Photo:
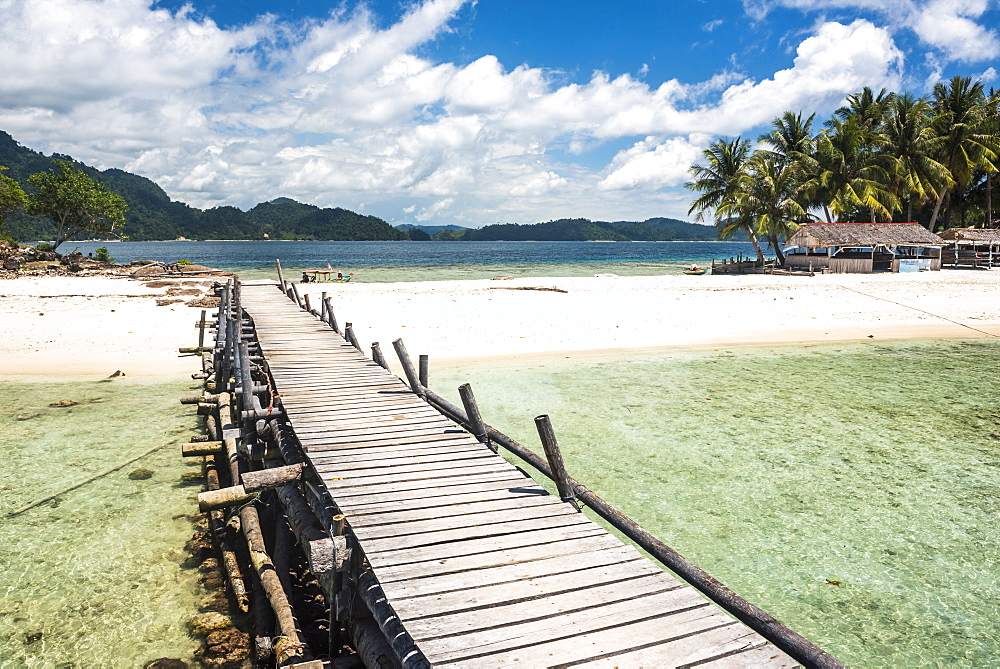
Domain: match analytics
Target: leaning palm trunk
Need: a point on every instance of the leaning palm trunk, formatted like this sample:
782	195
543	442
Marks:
773	238
937	210
756	244
989	199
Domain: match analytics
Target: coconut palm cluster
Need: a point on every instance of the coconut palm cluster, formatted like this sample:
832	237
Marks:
881	157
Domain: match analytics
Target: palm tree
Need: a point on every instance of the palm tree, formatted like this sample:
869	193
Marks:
767	197
847	173
719	183
789	137
868	109
961	142
915	174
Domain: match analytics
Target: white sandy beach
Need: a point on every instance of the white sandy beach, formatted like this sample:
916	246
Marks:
97	325
92	326
455	320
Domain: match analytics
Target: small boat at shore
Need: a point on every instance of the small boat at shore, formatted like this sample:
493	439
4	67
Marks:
695	270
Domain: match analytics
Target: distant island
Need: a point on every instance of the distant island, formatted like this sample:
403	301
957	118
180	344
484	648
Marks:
153	216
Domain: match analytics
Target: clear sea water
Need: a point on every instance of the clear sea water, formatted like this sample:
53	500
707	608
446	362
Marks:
96	577
850	490
429	261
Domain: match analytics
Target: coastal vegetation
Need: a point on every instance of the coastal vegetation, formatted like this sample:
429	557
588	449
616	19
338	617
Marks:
75	203
881	157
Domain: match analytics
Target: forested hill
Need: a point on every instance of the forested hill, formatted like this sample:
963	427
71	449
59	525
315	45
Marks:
152	215
582	230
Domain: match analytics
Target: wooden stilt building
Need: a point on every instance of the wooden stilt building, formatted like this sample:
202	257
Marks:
862	248
971	247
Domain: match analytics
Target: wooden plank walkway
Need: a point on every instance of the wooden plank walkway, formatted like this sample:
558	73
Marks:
481	565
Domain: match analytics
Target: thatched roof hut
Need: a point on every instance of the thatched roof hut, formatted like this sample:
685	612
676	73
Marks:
972	247
864	235
865	247
971	235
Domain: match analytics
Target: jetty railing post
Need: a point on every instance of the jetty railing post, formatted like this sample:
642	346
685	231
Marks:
322	306
411	373
378	357
297	298
281	276
308	303
330	318
475	418
567	492
201	330
424	369
351	337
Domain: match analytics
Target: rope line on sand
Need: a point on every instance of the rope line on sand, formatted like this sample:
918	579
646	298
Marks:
93	478
907	306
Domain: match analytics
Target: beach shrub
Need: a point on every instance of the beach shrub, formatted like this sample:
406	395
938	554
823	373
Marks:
101	255
44	247
183	261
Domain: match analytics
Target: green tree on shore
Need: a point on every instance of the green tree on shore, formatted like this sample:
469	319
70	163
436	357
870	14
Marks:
12	198
75	203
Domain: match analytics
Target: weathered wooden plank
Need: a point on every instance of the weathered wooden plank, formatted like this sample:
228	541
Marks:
569	617
376	455
494	501
331	443
355	492
509	574
524	592
477	463
571	547
333	480
362	435
553	524
508	504
438	459
764	655
730	641
480	547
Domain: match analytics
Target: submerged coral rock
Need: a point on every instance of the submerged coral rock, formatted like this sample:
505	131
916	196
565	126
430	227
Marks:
226	648
165	663
203	623
140	474
64	403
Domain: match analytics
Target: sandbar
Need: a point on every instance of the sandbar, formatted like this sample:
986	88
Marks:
94	326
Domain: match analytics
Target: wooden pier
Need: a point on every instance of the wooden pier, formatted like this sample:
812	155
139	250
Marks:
420	526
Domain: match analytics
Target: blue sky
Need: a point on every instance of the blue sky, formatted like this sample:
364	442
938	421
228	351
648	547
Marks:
446	111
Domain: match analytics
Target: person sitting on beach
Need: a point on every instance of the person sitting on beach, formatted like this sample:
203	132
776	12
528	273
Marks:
694	266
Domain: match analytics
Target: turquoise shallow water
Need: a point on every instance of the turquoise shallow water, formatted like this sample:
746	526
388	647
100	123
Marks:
95	578
850	490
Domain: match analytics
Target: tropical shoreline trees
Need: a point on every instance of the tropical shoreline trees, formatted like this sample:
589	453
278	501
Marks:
75	202
880	157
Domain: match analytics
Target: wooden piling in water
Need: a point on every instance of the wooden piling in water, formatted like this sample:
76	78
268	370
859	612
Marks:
411	373
281	276
423	363
554	457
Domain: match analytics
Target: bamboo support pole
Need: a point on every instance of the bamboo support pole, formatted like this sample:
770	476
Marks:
201	330
423	367
554	458
201	448
378	357
289	648
411	374
476	424
217	523
785	638
400	640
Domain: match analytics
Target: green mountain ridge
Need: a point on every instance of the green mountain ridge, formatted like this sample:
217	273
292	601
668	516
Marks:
153	216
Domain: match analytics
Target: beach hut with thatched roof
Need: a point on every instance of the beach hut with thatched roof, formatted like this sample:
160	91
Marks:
862	248
971	247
